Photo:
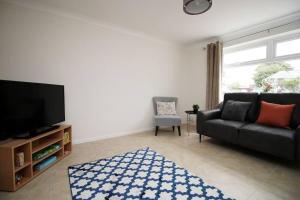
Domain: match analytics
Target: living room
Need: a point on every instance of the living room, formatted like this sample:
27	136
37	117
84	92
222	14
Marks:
208	88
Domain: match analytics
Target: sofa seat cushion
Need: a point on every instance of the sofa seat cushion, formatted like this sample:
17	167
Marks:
222	129
167	120
276	141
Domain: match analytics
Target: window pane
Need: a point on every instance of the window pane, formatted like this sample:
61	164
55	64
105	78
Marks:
257	53
286	80
266	77
238	79
288	47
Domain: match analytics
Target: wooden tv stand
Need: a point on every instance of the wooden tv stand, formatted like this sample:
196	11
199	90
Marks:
9	149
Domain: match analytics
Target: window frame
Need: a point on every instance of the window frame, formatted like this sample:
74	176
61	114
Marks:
246	47
271	49
278	40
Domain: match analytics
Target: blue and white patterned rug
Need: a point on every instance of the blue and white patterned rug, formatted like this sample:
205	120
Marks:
141	174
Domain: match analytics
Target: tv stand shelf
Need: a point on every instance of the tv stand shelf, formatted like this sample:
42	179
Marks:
9	171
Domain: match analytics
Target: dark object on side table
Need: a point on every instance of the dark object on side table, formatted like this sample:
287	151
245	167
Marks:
280	142
196	107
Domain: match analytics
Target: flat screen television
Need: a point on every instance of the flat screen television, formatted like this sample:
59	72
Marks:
28	109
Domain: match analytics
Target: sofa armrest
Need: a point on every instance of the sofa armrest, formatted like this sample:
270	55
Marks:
298	143
203	116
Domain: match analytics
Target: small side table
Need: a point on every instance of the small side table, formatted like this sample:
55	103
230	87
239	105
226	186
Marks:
188	119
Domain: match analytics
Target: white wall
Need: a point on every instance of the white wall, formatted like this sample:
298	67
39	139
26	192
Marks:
109	76
193	78
194	67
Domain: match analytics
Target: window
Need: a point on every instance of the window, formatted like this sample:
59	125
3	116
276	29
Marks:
257	53
288	47
269	66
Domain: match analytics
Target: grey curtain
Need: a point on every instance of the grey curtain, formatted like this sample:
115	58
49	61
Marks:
214	68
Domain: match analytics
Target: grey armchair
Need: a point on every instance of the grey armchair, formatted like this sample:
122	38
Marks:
166	120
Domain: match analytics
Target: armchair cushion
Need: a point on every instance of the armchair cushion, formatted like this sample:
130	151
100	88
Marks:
162	99
166	108
167	120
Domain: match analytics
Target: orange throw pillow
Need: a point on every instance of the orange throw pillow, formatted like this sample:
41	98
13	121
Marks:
275	114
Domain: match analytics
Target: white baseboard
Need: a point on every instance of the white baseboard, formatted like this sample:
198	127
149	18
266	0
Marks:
107	136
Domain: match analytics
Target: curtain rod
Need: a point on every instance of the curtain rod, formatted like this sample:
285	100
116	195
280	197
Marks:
268	30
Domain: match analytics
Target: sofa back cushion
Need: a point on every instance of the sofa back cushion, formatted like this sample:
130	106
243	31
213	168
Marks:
275	114
245	97
235	110
285	98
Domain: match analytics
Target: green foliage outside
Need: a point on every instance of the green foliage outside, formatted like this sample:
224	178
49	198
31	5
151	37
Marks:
266	70
291	84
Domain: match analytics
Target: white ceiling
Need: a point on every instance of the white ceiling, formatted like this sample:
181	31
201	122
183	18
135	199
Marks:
166	20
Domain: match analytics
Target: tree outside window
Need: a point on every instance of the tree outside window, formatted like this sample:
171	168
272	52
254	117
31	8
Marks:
272	65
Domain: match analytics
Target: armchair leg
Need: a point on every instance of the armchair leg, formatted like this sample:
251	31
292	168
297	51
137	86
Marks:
173	128
200	137
156	130
179	132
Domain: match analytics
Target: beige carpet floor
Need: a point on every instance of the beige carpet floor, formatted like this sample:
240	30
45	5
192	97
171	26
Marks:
240	173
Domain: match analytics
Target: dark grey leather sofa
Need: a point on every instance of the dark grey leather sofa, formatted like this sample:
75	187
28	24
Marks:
284	143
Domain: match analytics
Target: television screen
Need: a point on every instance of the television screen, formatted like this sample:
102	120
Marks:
25	107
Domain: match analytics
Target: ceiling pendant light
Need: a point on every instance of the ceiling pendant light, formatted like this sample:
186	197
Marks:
195	7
